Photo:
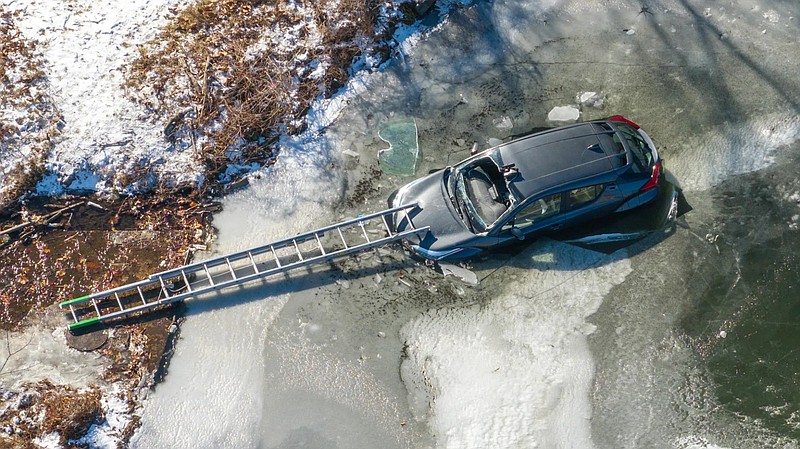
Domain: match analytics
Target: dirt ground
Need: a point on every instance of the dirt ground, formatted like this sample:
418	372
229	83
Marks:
74	246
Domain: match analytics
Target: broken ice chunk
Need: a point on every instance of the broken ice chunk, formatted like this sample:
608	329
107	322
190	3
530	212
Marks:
462	273
503	122
401	156
563	114
590	99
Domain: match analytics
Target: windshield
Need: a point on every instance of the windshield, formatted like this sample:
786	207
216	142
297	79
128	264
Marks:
479	193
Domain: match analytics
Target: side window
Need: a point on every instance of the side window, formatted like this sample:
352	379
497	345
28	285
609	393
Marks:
537	210
641	152
583	195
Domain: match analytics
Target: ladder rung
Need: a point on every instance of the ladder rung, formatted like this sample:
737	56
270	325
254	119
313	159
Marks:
319	242
408	218
277	259
97	309
72	310
230	267
299	254
141	295
186	279
342	236
163	287
118	301
385	224
253	261
364	231
210	279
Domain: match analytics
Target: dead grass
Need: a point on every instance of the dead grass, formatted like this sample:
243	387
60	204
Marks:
49	408
230	76
28	120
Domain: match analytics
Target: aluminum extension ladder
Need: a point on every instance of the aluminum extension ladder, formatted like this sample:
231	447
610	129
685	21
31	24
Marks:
315	247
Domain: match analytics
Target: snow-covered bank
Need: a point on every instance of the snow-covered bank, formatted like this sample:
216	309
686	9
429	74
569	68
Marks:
106	138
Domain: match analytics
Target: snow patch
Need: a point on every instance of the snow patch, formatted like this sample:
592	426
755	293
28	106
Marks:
107	435
87	45
733	149
515	372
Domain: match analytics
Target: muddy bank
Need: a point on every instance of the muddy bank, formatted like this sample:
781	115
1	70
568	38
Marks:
55	385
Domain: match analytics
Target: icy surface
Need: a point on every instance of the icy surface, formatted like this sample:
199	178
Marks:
41	352
735	149
515	372
523	365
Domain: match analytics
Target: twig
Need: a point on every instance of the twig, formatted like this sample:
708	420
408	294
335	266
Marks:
12	353
54	215
16	228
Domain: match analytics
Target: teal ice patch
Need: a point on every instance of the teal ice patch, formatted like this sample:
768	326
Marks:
401	156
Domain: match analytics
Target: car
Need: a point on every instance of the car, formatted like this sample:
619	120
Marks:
530	186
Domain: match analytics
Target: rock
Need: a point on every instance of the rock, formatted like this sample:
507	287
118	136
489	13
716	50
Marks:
89	341
350	153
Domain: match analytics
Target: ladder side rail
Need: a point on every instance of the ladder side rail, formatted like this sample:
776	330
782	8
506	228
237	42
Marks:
298	264
106	293
299	238
262	274
364	218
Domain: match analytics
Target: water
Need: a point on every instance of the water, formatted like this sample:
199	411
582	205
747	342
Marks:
684	341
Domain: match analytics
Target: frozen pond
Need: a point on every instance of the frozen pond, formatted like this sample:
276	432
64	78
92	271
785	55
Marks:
684	341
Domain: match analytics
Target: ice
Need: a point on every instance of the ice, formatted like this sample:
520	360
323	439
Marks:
564	114
401	156
515	372
515	367
40	352
733	149
462	273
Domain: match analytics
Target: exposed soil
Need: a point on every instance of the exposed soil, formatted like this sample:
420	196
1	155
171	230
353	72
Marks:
93	245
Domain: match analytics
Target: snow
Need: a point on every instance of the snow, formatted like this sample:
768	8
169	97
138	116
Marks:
736	148
107	435
48	441
86	45
515	372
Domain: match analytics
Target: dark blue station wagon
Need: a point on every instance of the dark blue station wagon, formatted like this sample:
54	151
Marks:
530	186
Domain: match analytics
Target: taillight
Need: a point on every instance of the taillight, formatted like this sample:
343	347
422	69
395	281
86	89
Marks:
619	118
653	181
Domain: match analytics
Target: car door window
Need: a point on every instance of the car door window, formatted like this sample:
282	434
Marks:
641	151
584	195
536	211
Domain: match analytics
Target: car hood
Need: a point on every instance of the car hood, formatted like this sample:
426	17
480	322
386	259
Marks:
434	210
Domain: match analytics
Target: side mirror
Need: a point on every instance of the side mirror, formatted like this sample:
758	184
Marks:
517	233
474	149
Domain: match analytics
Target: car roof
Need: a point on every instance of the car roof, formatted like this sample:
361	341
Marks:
555	157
